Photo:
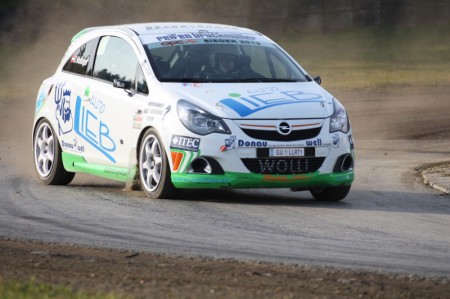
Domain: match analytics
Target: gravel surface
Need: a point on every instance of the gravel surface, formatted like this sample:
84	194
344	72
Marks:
389	238
145	275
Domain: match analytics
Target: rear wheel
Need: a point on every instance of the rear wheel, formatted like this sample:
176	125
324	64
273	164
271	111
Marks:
330	193
47	156
154	168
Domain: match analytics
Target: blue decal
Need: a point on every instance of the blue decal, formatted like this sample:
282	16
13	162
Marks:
63	111
40	101
229	144
317	142
243	143
245	106
93	130
336	140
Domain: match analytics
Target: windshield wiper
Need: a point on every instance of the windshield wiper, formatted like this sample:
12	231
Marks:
265	80
189	80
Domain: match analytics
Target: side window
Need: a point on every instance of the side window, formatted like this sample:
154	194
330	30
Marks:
79	61
115	59
140	85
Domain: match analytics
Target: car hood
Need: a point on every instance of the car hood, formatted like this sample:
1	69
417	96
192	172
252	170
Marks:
257	100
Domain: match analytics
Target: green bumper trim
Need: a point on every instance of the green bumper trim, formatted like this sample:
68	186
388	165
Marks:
75	163
250	180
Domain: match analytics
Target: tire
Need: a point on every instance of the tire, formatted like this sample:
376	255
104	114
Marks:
330	193
47	156
154	168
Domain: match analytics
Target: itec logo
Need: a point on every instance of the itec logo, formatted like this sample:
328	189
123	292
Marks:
185	143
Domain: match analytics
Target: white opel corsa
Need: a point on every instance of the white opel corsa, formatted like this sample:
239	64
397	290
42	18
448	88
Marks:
190	105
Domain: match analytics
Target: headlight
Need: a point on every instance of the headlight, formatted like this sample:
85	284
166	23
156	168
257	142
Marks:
339	119
200	121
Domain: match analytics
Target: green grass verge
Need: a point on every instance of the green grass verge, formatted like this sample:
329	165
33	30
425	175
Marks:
33	290
365	58
370	58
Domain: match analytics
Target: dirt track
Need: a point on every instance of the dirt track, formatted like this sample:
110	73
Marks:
146	275
395	132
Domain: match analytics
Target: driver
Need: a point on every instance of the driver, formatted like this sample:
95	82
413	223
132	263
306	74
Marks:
225	62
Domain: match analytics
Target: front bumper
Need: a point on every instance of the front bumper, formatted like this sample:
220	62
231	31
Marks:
233	180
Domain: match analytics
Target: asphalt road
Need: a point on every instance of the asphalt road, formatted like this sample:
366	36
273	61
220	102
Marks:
389	222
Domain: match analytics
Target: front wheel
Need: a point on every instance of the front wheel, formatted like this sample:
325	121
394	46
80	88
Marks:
47	156
330	193
154	168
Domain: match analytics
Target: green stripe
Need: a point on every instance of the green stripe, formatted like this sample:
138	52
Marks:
75	163
250	180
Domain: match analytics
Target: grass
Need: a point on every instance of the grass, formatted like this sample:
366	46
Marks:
32	290
371	58
362	59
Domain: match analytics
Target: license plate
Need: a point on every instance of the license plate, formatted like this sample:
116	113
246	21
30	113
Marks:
287	152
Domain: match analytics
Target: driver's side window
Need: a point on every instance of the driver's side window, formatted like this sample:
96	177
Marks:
115	59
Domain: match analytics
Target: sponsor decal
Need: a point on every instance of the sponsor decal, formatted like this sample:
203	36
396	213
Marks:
92	129
336	140
252	103
202	35
194	85
154	110
97	103
282	166
243	143
83	61
179	42
220	41
137	120
229	144
316	142
262	89
285	178
63	110
149	118
40	101
73	146
185	143
118	171
155	104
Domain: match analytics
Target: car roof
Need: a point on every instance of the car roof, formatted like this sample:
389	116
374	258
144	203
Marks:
142	29
157	28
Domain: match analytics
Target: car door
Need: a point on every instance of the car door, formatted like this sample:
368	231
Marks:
107	112
67	90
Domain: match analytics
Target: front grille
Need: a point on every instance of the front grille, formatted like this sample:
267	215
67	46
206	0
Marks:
283	165
275	136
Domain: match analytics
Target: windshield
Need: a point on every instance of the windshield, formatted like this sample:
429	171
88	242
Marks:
196	60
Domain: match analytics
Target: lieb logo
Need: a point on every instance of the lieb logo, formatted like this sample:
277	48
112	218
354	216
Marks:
256	102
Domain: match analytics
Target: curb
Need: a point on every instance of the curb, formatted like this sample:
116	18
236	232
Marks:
438	177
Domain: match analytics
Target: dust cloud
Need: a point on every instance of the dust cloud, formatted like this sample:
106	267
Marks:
33	40
36	34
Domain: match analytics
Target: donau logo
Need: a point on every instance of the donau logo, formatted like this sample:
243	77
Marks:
284	128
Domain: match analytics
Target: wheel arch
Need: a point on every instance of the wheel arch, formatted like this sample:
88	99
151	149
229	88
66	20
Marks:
37	121
140	139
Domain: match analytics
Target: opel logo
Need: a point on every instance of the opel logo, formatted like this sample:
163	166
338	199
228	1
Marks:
284	128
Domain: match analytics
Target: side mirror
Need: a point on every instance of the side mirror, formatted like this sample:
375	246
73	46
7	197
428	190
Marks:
122	84
318	80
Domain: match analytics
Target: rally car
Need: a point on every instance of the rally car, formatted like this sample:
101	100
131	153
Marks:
190	105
